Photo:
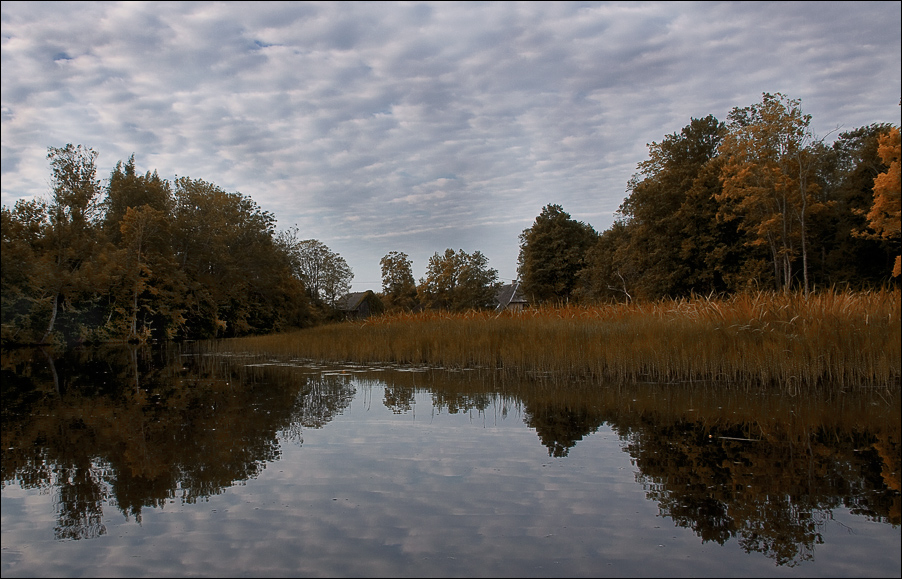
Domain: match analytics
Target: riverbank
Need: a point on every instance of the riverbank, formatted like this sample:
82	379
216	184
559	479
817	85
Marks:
845	339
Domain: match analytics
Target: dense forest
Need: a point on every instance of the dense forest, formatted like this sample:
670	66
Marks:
756	202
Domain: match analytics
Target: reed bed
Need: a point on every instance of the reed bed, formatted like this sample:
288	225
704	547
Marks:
847	339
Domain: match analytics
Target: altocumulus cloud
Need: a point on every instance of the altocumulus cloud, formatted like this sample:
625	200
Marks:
416	127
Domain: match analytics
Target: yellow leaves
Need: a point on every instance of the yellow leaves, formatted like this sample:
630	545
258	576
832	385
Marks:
885	215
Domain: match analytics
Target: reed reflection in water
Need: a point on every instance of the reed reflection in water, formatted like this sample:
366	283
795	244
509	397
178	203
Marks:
141	462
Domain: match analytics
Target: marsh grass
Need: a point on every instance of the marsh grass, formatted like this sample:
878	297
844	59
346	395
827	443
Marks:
846	339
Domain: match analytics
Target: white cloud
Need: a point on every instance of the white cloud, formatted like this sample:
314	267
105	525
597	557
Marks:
328	114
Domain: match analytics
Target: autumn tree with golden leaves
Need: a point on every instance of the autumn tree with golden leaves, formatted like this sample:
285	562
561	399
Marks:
769	180
885	216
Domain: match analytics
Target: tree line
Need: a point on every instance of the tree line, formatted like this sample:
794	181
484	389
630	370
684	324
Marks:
144	258
758	202
755	202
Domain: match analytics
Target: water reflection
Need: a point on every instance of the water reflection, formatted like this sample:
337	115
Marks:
137	428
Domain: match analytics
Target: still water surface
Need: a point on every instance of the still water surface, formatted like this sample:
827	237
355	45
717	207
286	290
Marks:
131	462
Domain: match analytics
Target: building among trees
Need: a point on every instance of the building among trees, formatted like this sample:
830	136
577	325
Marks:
359	305
509	297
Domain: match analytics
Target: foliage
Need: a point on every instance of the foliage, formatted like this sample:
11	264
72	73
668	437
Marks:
237	277
759	203
671	198
24	229
325	274
552	253
399	289
458	281
841	255
64	273
610	269
769	180
148	262
715	209
885	215
127	189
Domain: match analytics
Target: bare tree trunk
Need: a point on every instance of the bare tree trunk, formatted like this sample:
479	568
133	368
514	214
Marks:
804	255
803	189
134	359
629	298
776	256
56	379
787	245
56	298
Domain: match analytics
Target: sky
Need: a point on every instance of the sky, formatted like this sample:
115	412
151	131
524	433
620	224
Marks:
420	126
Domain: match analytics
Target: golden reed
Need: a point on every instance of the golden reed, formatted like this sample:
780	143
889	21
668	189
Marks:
846	339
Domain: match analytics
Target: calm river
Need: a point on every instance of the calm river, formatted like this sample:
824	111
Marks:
133	462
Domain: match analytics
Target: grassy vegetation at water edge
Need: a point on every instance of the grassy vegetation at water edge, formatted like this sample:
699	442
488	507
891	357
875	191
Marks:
848	339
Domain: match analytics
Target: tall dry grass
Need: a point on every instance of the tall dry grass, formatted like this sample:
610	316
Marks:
849	339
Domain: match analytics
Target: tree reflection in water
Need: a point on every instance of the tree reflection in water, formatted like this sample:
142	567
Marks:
138	428
757	467
194	427
729	463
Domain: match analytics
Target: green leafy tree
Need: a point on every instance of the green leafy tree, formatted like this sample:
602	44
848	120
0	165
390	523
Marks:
148	261
236	273
65	273
847	170
436	290
126	188
325	274
610	272
336	279
477	282
667	214
552	253
458	281
399	289
24	230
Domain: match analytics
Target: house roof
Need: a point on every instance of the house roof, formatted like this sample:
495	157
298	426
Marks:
509	294
351	301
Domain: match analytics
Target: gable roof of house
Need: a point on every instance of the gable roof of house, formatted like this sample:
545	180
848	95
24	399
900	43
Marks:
509	294
351	301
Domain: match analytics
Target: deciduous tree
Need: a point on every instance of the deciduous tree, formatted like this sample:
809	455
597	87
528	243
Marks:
458	281
73	211
768	179
552	253
885	216
670	213
326	275
842	255
126	188
399	289
147	272
235	272
610	272
22	258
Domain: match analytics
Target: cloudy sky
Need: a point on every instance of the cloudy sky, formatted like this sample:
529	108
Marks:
416	127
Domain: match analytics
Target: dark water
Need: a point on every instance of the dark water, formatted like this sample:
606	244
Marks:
132	462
